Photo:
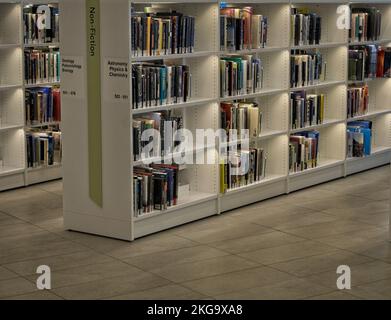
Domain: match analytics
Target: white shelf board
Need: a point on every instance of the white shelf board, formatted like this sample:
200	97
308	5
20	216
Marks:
319	46
42	168
269	179
194	198
322	84
174	56
44	124
8	170
191	103
8	127
269	133
41	84
9	45
263	92
326	123
253	51
327	163
376	150
42	45
9	86
370	114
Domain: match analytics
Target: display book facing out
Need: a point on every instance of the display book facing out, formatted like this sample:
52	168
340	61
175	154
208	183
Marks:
29	93
293	154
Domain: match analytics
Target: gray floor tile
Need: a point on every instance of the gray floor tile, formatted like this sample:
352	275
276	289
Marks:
59	262
110	287
16	286
174	257
287	252
286	290
335	295
39	295
320	263
256	242
168	292
237	281
201	269
6	274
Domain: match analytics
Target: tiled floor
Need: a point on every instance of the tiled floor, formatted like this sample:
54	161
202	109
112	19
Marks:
284	248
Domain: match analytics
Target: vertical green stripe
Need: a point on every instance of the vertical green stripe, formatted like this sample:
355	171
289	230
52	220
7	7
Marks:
94	101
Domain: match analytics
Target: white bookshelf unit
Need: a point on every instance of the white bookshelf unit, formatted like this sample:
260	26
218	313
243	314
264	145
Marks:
98	194
14	171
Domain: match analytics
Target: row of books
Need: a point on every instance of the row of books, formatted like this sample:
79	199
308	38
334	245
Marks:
365	24
241	29
166	124
303	150
154	188
357	101
359	138
242	168
306	109
155	84
306	27
41	66
240	75
369	61
43	105
43	148
241	116
161	33
33	32
307	68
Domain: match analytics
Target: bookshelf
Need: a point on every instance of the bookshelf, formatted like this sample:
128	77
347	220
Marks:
14	171
98	195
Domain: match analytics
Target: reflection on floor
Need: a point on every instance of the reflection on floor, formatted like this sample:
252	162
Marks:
284	248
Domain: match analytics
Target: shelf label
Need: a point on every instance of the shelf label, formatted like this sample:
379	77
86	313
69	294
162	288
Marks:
72	70
116	74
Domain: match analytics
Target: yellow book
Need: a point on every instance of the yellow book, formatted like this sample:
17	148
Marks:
322	107
160	47
148	38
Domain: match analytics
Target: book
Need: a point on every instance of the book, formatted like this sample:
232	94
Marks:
357	101
242	167
43	147
41	66
156	84
240	75
306	109
155	187
155	33
365	24
307	68
42	105
306	27
241	116
359	138
31	31
241	29
303	150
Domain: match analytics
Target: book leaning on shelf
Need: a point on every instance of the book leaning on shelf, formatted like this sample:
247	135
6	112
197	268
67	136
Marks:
306	109
155	187
156	84
307	68
359	138
241	116
42	105
41	66
35	35
303	151
365	24
241	29
166	125
242	168
240	75
161	33
357	101
306	27
43	147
